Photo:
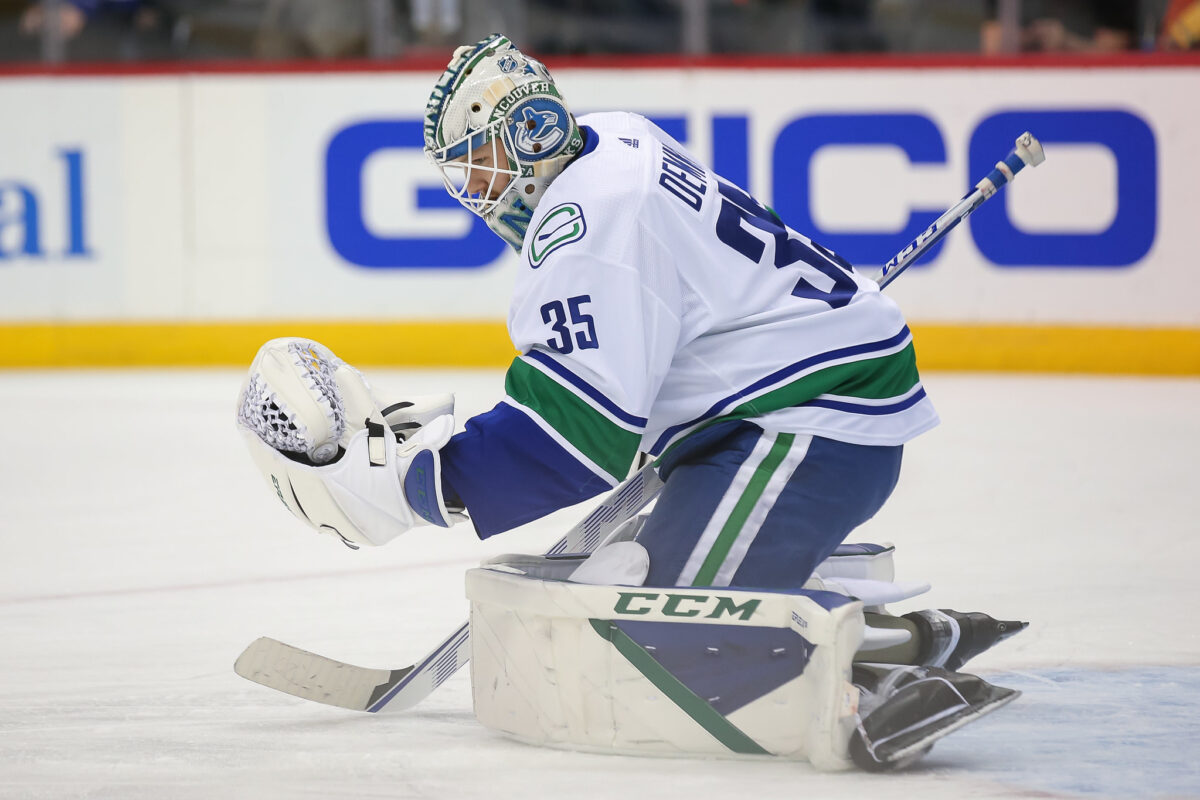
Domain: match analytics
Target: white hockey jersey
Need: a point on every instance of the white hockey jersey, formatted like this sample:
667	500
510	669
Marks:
654	299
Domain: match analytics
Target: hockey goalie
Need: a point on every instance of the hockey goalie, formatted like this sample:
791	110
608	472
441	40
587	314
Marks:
659	311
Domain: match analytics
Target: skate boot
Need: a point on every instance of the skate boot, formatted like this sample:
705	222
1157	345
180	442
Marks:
952	638
903	710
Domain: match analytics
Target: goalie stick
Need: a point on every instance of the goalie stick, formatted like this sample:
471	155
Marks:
314	677
1027	151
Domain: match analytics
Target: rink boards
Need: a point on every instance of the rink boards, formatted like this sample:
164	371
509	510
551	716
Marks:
176	218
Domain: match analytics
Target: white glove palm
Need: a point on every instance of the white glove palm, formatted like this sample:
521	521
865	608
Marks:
299	414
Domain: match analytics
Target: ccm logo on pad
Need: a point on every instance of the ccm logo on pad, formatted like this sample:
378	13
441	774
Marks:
684	605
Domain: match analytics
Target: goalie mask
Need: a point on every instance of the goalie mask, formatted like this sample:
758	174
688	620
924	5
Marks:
499	131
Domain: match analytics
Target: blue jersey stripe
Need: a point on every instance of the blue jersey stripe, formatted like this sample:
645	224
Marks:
579	383
860	408
778	377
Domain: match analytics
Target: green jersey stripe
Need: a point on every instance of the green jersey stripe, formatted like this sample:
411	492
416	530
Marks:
884	377
608	445
879	378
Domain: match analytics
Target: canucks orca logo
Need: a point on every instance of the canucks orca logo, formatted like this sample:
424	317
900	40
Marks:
539	128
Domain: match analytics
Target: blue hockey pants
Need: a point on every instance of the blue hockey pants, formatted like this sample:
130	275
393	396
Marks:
750	508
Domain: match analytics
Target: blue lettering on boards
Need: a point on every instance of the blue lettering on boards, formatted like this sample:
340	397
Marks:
348	233
800	139
1130	235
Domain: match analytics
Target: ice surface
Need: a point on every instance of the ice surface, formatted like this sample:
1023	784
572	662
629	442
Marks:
140	552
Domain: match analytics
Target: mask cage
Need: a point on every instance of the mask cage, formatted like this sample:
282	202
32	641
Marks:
454	161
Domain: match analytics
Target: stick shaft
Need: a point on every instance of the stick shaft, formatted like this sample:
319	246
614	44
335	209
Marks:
1026	152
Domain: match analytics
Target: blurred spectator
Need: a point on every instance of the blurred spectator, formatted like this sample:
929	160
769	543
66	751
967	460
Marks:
435	23
845	26
1079	26
74	15
312	29
1181	26
104	29
795	26
582	27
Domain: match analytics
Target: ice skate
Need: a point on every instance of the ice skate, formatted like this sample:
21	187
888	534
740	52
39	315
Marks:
952	638
904	710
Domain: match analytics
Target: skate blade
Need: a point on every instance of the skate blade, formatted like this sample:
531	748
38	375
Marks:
903	747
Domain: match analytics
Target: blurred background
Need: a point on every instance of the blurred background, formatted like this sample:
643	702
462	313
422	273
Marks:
132	30
181	180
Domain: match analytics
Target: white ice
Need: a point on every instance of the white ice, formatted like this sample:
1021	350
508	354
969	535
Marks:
141	552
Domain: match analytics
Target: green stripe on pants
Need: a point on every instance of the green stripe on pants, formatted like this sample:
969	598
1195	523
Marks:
741	510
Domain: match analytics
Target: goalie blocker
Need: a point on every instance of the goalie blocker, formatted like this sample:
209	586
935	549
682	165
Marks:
706	671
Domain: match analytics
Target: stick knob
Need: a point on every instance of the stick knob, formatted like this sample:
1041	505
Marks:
1029	149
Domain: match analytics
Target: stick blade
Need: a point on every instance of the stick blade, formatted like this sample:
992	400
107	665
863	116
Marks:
297	672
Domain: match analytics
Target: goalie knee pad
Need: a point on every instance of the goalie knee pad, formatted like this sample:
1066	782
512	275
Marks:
865	572
865	561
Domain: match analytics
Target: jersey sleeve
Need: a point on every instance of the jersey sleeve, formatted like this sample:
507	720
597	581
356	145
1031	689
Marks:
597	324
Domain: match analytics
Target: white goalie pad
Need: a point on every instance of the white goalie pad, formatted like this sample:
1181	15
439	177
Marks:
665	670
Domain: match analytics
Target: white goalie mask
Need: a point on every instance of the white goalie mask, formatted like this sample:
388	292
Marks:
499	131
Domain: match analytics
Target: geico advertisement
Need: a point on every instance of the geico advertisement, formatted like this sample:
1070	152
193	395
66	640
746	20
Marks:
302	195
